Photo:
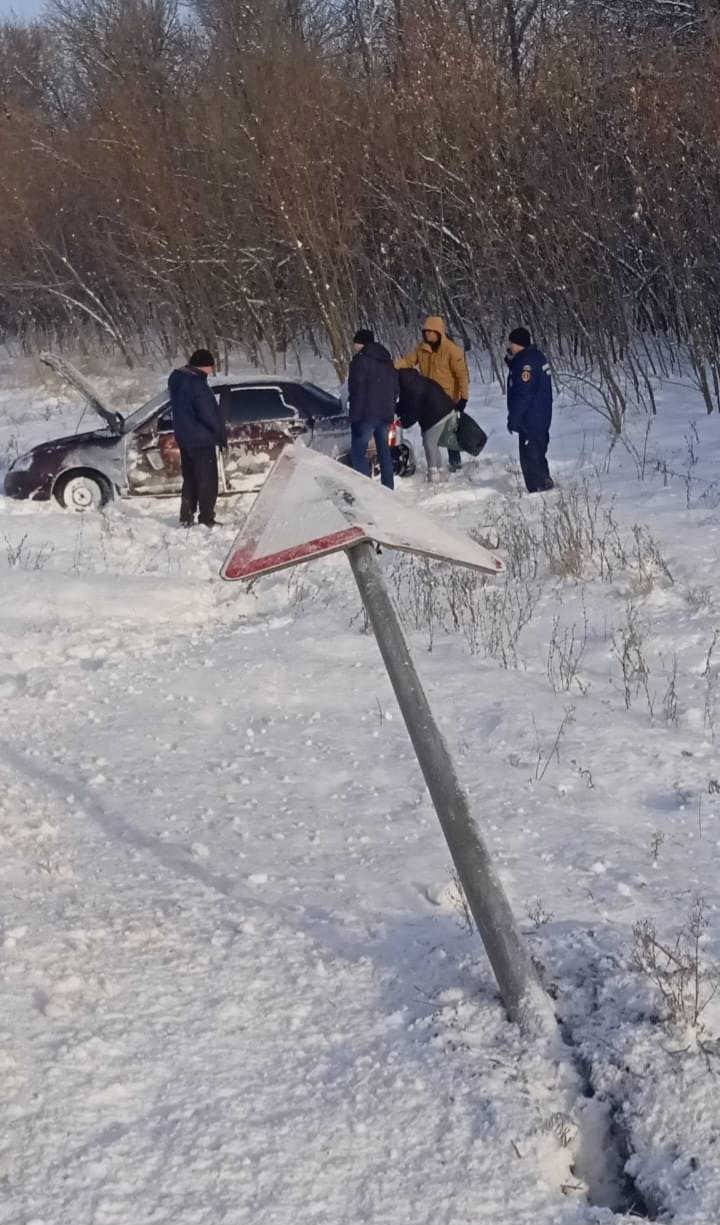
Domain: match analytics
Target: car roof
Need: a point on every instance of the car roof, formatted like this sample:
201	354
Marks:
250	380
240	380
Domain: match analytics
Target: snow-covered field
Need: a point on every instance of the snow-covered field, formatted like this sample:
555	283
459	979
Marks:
227	993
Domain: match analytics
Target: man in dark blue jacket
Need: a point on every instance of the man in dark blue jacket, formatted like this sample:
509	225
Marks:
372	392
199	429
529	402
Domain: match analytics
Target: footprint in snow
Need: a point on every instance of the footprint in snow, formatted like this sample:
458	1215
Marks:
10	685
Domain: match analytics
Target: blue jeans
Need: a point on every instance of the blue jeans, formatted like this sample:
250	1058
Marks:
360	433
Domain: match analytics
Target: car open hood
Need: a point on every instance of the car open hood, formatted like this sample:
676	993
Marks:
72	376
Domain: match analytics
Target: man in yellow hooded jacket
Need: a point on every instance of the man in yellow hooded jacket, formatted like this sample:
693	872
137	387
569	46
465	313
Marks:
439	359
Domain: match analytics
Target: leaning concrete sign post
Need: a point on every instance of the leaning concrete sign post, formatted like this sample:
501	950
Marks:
310	506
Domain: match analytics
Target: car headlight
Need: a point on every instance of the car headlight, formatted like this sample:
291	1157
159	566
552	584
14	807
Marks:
23	463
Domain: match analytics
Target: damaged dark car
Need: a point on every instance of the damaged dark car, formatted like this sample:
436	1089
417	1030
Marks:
137	455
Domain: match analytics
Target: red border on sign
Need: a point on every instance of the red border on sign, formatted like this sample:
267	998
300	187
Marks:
244	563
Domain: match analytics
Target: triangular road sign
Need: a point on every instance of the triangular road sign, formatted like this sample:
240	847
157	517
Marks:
311	505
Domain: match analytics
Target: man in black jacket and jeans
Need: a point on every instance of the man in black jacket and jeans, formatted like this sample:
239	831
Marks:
199	430
372	392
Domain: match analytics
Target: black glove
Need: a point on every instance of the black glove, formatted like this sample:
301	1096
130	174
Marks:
508	360
461	406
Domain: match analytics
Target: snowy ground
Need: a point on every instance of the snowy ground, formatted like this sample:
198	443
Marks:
227	995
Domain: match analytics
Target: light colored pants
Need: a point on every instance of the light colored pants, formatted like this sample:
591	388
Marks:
430	443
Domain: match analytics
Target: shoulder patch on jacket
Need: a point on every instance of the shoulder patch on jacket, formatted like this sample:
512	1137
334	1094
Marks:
526	374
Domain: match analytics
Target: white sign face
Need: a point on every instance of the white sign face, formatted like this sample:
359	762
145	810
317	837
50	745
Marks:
311	505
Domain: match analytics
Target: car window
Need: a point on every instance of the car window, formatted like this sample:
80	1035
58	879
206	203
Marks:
145	413
246	404
164	423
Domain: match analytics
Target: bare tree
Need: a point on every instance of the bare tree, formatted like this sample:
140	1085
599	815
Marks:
269	174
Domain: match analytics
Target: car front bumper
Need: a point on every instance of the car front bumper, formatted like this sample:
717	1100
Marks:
27	484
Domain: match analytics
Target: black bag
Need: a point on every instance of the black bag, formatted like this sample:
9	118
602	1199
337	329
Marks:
470	437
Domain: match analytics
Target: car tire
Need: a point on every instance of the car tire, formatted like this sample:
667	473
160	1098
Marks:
405	465
83	490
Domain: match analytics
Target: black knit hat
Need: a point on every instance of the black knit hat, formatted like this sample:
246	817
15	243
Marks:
520	336
364	336
202	357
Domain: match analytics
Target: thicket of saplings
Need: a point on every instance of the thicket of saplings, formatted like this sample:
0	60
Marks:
268	175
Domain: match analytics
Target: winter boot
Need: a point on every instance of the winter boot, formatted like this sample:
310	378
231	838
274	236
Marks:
433	476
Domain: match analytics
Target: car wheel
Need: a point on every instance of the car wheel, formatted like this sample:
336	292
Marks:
405	463
83	491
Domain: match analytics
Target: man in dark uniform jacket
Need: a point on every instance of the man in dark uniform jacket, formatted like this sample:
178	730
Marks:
529	403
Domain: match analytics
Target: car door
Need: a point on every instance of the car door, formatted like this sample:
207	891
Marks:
260	423
153	456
